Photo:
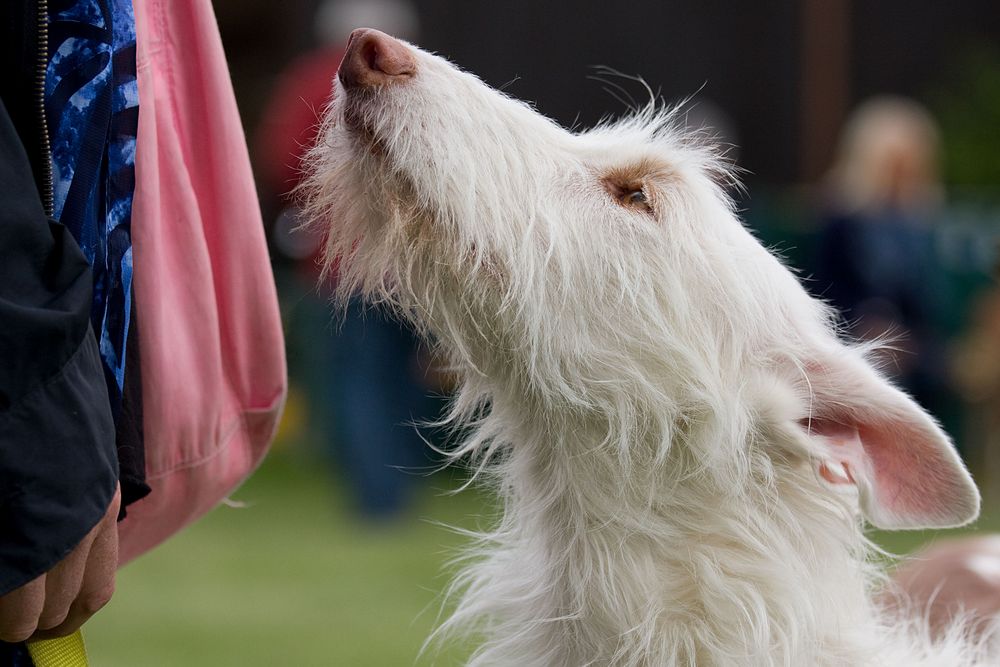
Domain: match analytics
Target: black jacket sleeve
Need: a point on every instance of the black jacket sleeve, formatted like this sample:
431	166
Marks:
58	466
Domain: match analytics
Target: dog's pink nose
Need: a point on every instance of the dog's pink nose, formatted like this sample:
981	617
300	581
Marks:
374	58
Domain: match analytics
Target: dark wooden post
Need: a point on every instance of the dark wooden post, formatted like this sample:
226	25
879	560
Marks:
825	81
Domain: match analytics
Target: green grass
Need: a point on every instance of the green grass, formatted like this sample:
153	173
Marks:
290	579
293	579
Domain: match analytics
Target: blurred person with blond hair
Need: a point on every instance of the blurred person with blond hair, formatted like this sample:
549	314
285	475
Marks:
876	264
875	260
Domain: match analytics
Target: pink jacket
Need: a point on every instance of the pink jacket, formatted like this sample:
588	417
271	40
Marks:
213	366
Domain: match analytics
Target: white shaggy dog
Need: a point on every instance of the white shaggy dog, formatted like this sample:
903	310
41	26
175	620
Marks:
682	445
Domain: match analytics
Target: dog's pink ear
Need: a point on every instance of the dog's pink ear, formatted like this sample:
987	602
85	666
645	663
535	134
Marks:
874	436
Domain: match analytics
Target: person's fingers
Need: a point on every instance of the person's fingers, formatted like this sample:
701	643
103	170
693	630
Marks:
62	583
20	609
98	582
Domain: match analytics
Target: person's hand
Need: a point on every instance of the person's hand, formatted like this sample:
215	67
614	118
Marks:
952	576
58	602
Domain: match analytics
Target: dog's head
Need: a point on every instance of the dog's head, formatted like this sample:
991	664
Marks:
486	221
604	273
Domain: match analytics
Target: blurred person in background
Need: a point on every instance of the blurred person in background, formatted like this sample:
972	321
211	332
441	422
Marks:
875	261
365	373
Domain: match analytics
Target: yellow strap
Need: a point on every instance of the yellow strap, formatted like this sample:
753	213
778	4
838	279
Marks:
63	652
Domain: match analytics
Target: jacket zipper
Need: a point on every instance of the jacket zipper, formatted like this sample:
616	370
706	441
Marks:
42	64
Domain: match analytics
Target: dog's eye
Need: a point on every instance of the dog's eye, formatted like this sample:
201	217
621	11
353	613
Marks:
636	198
629	187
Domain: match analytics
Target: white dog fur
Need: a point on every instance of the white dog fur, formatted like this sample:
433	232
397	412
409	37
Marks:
682	445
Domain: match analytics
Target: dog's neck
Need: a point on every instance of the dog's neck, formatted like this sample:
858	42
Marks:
663	562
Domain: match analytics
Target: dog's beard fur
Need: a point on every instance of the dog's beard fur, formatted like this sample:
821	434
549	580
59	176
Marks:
632	383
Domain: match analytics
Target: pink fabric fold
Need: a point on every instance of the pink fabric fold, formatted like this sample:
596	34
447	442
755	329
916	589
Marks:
213	366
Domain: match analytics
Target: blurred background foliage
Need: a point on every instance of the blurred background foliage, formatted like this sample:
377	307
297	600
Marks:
967	105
